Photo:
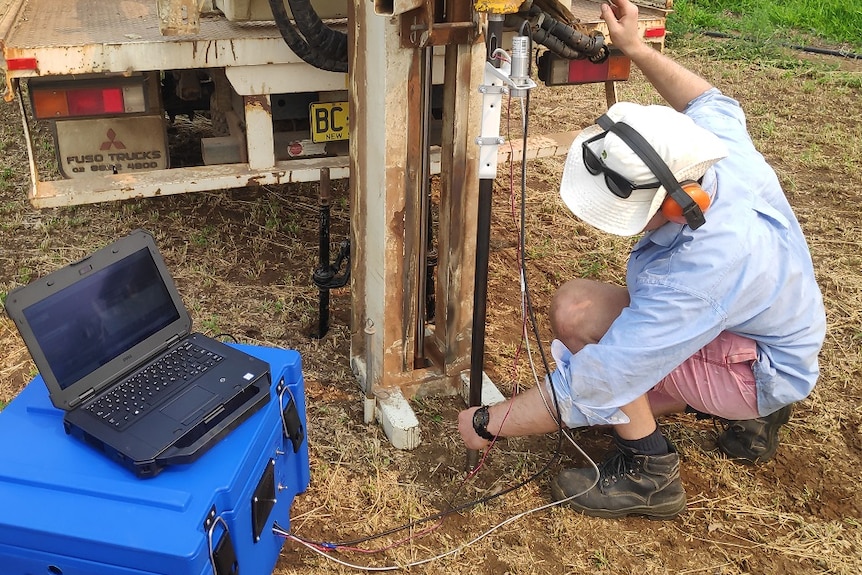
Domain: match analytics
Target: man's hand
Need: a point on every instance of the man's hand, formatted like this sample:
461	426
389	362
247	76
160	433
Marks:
621	16
676	84
468	434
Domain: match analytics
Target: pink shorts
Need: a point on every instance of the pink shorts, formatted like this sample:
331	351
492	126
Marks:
715	380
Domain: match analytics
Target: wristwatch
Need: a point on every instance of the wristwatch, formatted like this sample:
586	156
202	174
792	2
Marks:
480	423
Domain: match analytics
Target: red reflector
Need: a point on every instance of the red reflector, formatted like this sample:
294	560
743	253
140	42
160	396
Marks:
21	64
113	98
94	101
654	33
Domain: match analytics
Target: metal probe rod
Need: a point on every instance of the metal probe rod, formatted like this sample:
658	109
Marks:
483	241
324	268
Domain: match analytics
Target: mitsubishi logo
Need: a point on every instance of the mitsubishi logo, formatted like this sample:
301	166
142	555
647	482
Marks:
112	141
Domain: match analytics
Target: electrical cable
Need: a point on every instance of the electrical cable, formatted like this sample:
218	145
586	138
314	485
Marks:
228	335
811	49
287	535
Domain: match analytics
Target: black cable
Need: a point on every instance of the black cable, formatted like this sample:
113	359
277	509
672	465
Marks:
235	340
811	49
531	314
527	299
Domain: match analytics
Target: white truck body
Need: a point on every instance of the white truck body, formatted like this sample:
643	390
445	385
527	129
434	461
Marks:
251	66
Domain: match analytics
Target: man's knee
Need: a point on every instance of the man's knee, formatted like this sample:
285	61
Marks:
583	310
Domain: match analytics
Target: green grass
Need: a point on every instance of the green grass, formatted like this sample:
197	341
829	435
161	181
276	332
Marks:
832	23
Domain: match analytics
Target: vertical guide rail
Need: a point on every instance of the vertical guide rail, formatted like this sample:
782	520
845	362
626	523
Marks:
487	173
419	360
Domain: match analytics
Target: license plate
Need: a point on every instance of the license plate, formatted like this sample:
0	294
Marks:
330	121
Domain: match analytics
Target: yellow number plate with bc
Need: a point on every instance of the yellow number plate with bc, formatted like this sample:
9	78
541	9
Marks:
330	121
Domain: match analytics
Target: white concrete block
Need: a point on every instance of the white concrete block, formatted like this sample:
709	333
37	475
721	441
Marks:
398	420
490	393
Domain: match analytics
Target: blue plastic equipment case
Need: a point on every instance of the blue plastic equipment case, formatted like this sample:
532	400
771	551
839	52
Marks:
69	510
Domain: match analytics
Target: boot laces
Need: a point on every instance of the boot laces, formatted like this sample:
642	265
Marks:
617	465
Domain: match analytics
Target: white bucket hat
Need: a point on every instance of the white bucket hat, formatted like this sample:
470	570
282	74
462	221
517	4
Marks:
686	148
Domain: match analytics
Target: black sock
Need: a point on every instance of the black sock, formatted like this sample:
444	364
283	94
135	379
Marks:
652	444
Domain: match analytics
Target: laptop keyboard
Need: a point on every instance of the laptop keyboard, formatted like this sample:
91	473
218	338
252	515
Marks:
126	402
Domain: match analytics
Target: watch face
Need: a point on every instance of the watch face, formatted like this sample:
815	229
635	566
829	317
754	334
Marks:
480	423
480	418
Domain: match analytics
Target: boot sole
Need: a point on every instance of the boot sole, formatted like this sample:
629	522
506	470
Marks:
661	512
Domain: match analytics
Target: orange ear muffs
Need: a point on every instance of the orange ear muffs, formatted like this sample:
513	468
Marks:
673	211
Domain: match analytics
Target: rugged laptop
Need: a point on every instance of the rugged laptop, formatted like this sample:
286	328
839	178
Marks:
112	340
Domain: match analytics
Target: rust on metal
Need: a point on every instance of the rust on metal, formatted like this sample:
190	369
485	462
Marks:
358	83
422	27
178	17
258	101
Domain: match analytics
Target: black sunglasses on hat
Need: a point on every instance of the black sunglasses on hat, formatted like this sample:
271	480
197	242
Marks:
619	185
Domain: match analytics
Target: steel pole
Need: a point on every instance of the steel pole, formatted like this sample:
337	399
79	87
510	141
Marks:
483	242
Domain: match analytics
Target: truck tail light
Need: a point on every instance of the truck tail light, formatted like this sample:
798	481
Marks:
82	98
556	71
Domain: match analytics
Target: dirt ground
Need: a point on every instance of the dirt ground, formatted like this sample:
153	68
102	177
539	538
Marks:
243	262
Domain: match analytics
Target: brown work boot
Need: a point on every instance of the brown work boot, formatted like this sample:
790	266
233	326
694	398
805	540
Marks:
629	484
753	441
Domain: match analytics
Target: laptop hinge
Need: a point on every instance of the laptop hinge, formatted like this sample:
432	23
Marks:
174	339
83	397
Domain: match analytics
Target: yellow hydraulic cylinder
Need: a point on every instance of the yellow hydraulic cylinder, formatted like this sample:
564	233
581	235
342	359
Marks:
498	6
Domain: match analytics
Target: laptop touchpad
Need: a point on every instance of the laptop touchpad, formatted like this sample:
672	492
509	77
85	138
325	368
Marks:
189	404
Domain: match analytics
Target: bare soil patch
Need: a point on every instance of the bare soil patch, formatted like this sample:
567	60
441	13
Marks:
243	261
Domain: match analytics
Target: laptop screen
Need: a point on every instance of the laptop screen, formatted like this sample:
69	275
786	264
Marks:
88	324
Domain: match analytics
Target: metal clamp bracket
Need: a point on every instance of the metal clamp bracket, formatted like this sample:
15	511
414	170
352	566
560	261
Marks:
491	141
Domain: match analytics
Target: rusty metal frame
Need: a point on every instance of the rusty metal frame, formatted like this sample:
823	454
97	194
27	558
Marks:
420	28
386	196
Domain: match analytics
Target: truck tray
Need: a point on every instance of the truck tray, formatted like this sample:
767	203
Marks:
69	510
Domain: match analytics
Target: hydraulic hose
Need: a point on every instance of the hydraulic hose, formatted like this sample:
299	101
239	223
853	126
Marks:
587	44
324	39
560	38
810	49
299	45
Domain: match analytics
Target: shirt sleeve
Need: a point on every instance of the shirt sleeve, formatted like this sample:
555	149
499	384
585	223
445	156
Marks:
721	115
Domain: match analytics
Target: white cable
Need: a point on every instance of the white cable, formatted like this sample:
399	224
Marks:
476	539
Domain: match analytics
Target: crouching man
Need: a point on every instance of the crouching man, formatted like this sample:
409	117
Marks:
721	313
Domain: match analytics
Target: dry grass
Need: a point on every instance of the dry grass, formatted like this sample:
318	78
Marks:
243	262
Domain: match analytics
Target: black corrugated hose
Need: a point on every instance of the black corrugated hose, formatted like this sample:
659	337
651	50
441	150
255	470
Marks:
317	34
559	37
303	47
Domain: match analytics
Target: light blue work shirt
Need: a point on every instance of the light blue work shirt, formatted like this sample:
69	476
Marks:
747	270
